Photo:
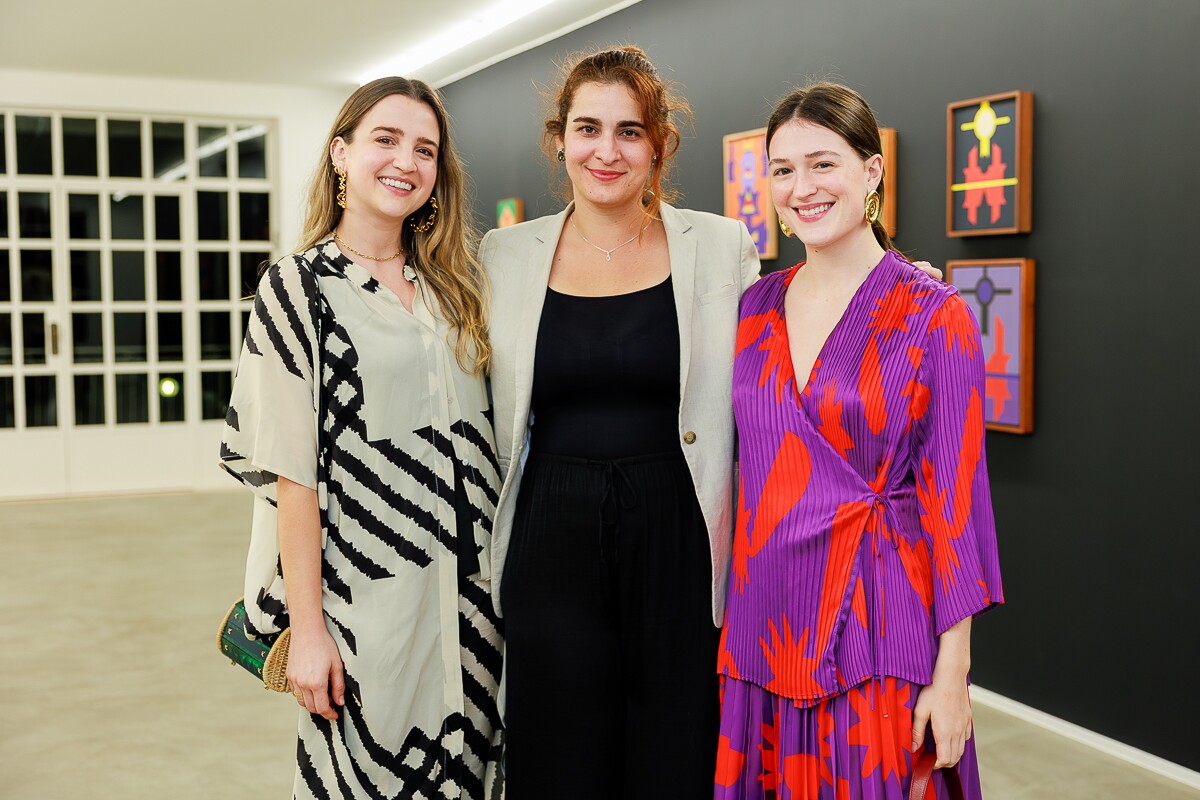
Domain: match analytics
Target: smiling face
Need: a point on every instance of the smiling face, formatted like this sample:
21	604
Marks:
819	184
608	155
390	160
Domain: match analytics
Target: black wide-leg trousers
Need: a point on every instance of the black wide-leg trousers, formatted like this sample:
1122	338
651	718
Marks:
610	653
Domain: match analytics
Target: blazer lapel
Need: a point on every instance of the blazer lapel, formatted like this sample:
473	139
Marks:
681	248
537	277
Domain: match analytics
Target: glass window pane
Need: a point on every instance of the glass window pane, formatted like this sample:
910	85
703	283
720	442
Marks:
214	394
85	275
6	339
33	331
37	277
213	274
170	397
8	400
127	220
166	217
83	216
33	215
170	336
133	398
33	145
211	147
79	147
89	399
3	148
252	156
255	216
87	339
3	210
212	215
5	277
128	275
41	401
252	266
215	342
124	148
168	150
167	275
129	337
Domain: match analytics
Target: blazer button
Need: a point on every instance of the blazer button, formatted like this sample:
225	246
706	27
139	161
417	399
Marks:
689	437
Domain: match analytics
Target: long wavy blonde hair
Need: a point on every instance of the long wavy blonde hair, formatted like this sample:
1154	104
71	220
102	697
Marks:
443	254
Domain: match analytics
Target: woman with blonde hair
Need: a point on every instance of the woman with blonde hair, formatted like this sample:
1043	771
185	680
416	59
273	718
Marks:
359	418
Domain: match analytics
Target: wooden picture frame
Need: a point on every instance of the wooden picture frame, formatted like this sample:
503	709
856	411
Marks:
989	165
509	211
887	140
747	188
1000	294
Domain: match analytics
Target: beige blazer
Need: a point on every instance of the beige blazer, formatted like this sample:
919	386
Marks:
713	260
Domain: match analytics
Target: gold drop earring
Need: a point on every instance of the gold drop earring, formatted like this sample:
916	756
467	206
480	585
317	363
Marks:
783	227
872	208
341	195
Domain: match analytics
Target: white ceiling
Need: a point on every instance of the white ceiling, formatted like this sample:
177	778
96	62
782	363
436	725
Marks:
302	42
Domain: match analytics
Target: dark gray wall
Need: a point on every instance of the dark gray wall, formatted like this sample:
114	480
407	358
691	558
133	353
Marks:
1099	538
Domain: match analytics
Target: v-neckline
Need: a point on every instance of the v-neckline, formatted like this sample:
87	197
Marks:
787	336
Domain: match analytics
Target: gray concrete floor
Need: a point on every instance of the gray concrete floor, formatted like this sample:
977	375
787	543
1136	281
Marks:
108	615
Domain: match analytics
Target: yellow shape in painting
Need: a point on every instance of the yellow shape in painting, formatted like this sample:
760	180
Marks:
984	125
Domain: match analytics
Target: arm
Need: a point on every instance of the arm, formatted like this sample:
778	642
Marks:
749	267
956	520
944	703
314	667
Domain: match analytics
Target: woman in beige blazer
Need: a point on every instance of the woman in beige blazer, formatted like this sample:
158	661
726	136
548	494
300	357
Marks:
612	325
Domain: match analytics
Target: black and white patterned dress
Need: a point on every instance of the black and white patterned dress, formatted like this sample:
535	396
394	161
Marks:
407	484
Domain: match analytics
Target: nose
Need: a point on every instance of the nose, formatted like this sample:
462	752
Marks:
804	186
606	149
403	160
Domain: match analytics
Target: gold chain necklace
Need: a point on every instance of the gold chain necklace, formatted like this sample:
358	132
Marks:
608	253
339	240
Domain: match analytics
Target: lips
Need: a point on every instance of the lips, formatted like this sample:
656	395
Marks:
812	212
397	183
605	174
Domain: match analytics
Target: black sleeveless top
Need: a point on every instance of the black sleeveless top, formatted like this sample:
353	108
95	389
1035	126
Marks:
606	375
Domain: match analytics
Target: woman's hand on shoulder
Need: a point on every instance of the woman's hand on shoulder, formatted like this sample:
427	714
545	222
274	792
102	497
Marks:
928	269
315	672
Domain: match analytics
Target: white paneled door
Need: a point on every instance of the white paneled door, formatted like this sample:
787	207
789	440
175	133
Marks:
128	248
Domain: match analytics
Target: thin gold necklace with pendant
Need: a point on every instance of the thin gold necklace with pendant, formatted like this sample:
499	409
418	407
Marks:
340	241
608	253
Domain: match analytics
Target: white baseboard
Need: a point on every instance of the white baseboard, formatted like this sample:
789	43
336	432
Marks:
1139	758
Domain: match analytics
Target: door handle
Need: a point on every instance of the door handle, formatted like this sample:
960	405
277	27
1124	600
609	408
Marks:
53	338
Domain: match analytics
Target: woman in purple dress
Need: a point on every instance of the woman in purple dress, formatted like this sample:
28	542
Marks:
865	542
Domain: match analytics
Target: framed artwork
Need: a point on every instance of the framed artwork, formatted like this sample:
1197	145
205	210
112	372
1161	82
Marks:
887	139
748	188
1000	293
509	211
989	165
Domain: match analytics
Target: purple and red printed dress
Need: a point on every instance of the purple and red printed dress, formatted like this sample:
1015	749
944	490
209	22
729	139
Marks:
864	530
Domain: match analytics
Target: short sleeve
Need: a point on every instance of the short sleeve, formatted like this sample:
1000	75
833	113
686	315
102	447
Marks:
271	426
953	494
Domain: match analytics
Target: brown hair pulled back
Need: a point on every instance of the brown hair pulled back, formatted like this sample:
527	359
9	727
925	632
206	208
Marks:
659	100
844	111
443	254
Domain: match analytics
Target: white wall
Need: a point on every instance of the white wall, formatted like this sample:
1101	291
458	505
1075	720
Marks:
303	115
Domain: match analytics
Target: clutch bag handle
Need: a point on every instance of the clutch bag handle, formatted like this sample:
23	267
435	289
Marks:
923	773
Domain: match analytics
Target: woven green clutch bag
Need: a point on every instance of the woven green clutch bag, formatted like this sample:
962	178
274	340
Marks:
265	658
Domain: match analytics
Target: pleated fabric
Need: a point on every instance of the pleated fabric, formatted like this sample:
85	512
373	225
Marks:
610	691
864	525
852	746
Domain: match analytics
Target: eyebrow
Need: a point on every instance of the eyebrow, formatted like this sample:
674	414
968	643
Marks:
625	123
399	132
